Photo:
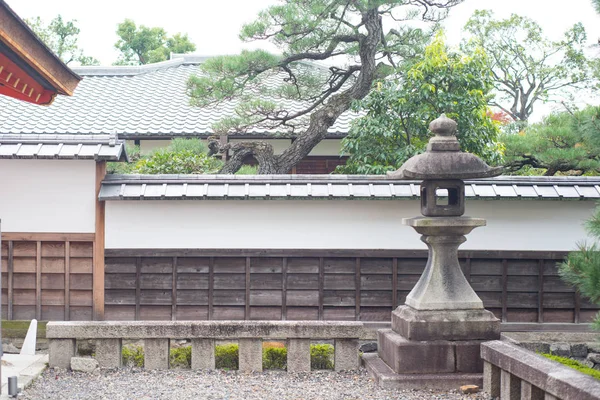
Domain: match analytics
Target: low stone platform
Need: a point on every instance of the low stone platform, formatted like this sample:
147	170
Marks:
387	378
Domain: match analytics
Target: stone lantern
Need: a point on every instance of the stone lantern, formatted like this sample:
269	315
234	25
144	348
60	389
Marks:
435	336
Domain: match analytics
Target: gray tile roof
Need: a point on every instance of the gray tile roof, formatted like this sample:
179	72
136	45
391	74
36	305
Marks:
134	102
63	147
373	187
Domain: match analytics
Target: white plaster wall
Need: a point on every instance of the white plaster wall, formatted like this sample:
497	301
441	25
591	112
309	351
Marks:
148	146
512	225
327	147
47	196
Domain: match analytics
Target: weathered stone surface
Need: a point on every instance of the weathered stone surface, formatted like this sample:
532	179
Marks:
207	329
298	355
368	347
491	379
510	386
387	378
579	350
594	357
593	347
560	349
413	357
552	377
530	392
468	358
203	354
108	353
10	348
346	354
468	389
250	355
60	352
83	364
447	325
536	347
156	353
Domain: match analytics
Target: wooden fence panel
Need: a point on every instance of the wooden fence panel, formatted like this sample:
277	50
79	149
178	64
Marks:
308	285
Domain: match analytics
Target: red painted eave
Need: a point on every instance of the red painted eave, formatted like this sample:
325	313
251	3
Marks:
29	71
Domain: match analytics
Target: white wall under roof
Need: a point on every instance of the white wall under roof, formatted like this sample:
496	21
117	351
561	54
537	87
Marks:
323	224
47	196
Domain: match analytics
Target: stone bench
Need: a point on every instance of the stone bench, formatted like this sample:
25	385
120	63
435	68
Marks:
108	335
511	372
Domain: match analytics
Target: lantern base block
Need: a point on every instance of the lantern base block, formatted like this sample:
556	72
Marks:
419	325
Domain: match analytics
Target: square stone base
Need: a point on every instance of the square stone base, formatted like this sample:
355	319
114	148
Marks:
445	325
405	356
387	378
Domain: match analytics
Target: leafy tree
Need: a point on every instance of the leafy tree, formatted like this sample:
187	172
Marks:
526	66
348	34
582	268
398	112
61	37
144	45
596	4
563	143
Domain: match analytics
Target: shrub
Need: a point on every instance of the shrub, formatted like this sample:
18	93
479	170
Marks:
227	356
247	170
274	355
181	357
582	268
321	356
574	364
133	355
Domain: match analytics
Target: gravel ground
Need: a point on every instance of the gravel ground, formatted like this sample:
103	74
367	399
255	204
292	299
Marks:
139	384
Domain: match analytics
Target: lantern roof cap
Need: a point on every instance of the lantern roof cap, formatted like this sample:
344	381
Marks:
443	158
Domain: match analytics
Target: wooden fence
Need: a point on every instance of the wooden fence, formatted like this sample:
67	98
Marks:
47	276
153	284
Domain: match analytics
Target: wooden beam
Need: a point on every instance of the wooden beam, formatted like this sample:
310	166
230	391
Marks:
38	281
363	253
9	270
174	291
67	281
48	237
98	271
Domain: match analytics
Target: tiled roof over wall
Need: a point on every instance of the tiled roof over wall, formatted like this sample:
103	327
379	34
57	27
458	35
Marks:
63	147
134	102
373	187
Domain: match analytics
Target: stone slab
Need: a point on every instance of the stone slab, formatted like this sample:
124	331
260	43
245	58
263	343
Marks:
315	330
468	356
109	353
60	352
83	364
346	354
412	357
445	325
156	354
250	355
298	355
203	354
387	378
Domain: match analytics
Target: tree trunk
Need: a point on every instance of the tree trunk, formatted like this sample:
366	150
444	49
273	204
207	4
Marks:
321	119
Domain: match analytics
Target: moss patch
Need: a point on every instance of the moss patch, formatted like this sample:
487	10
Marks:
574	364
18	329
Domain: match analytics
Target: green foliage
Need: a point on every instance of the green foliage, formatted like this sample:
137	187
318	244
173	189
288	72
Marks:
182	156
574	364
61	37
247	170
227	356
181	357
565	142
527	67
144	45
596	4
321	356
133	355
274	357
582	268
123	167
398	112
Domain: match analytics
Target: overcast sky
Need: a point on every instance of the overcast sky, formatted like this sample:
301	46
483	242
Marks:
214	25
